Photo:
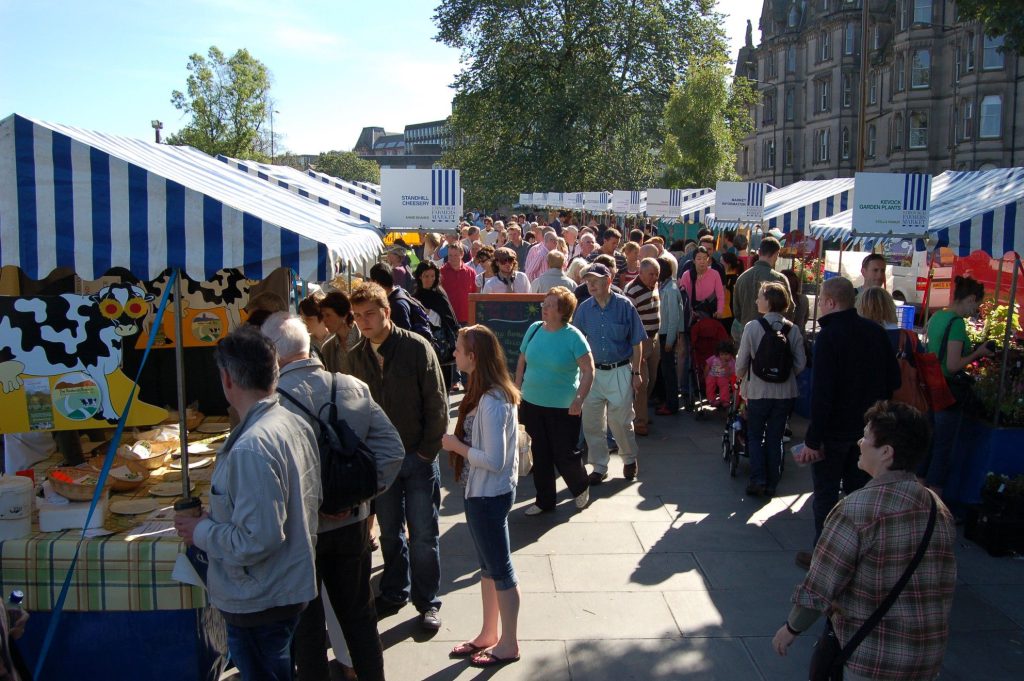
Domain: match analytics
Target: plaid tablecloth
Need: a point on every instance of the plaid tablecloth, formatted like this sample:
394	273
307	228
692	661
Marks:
112	573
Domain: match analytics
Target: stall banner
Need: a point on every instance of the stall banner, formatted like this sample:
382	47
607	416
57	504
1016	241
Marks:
597	202
556	199
574	201
508	315
628	202
664	203
525	199
60	360
540	199
420	199
743	201
891	203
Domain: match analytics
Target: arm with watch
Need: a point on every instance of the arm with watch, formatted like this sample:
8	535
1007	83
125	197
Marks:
634	365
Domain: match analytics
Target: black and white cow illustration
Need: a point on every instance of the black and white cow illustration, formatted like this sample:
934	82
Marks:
53	335
229	289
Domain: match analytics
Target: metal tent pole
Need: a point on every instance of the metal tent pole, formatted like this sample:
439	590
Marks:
187	501
1017	268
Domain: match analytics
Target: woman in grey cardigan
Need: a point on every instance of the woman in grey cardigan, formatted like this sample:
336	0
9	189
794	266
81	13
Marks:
768	404
486	438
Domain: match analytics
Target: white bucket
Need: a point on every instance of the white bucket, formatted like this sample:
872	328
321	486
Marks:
15	507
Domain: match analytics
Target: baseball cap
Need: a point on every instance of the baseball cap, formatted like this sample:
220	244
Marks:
597	270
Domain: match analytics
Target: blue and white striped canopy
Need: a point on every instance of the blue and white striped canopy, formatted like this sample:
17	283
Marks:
795	206
90	201
697	208
970	211
364	191
358	207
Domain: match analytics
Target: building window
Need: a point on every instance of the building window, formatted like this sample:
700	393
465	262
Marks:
790	104
873	88
787	154
768	155
897	131
918	130
991	116
849	38
872	139
968	118
823	95
902	10
847	90
746	158
824	46
769	107
824	5
791	59
900	74
822	139
844	147
876	38
920	69
922	11
969	52
794	16
993	58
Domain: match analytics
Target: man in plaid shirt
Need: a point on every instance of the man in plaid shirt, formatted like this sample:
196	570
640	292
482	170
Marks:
870	538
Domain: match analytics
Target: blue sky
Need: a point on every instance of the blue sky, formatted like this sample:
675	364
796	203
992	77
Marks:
337	65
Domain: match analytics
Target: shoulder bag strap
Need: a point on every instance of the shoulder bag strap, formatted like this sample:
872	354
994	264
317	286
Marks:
530	338
297	403
879	613
945	341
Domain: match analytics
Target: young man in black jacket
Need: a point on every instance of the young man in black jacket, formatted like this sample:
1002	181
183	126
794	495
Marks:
854	367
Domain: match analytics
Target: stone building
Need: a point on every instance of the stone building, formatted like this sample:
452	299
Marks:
938	94
419	146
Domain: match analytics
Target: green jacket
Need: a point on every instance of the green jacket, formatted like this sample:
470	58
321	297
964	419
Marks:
410	389
744	294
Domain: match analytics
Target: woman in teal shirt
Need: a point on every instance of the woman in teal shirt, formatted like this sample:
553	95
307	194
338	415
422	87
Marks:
555	373
947	338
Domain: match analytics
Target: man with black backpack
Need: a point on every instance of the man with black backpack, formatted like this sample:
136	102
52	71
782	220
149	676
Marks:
854	367
343	556
406	312
405	378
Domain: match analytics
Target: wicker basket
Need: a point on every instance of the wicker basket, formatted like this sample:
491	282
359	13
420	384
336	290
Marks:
159	455
76	491
118	484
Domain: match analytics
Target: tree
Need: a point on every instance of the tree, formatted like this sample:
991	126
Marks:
999	18
566	95
347	166
228	101
706	120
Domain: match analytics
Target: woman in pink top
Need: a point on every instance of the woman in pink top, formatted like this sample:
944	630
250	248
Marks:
709	297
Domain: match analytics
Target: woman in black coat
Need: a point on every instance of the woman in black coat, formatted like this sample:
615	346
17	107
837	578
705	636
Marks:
439	310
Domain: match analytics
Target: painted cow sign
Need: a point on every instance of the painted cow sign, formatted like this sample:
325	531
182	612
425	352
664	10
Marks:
70	334
228	290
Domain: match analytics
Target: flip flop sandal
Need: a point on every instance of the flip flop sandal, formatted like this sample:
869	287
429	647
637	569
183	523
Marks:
467	649
486	659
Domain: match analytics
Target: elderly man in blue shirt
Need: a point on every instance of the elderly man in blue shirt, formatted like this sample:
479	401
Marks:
615	333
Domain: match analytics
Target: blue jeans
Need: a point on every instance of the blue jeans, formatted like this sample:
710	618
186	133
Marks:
945	433
837	470
766	423
411	564
263	653
487	518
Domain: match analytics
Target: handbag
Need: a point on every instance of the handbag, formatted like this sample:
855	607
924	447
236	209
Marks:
829	656
961	384
911	391
929	370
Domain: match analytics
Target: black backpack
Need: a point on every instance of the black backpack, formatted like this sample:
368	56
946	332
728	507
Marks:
773	360
348	470
419	322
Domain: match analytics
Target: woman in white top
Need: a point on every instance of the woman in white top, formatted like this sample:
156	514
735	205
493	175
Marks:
486	438
768	403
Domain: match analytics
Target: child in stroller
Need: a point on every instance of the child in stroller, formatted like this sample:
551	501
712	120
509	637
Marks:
705	336
720	374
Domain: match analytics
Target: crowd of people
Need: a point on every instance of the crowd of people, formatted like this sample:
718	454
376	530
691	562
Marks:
613	347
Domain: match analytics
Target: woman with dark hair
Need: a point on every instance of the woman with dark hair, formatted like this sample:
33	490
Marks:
309	312
484	449
801	308
439	309
336	314
733	269
947	338
703	285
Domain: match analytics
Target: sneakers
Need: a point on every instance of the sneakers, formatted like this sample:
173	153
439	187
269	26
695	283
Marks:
596	478
430	620
629	470
582	499
534	509
803	559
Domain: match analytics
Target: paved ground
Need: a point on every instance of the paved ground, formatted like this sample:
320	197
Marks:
675	576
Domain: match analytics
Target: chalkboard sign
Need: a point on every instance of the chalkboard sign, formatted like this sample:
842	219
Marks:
508	315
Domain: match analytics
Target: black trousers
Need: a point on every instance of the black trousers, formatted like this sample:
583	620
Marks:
553	434
343	564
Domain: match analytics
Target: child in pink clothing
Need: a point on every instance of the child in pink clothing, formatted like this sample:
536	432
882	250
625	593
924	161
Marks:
721	367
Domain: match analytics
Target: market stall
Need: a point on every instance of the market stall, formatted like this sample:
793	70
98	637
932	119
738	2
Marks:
86	201
795	206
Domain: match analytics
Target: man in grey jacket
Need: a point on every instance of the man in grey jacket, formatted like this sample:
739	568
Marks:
405	379
748	285
261	526
343	557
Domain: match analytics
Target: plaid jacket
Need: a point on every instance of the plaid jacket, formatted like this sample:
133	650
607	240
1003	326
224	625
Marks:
869	539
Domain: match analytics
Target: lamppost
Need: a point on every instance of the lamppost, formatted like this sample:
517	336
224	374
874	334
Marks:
272	154
157	127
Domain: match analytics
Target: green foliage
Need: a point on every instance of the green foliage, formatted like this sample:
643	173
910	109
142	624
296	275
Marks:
999	18
567	95
706	120
228	100
347	166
